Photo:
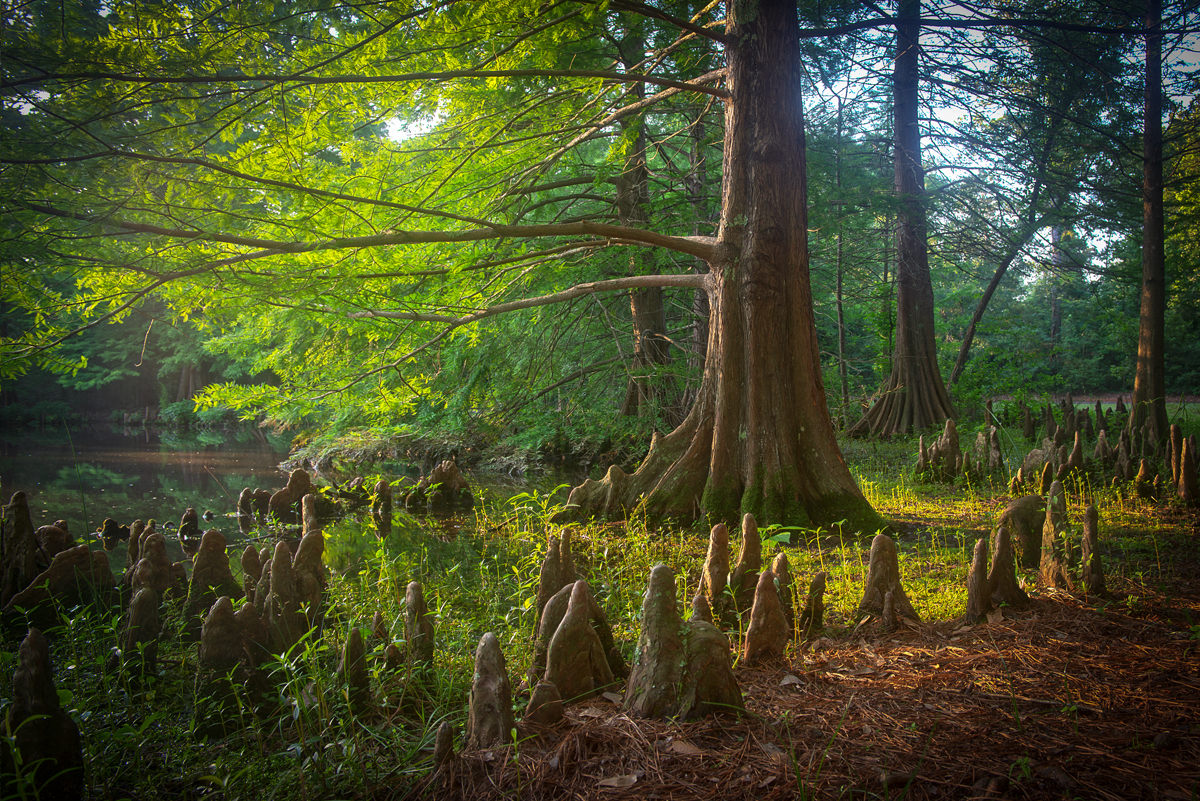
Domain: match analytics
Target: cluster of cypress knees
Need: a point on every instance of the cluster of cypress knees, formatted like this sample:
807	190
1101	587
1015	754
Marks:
1133	463
681	668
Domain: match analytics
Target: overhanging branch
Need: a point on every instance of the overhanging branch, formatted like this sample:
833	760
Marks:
300	79
689	281
255	179
702	247
685	281
682	24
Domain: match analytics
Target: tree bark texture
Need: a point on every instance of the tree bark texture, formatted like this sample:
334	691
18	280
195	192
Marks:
191	381
1149	383
914	397
759	437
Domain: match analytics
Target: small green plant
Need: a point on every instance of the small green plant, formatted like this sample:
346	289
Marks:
1072	711
22	782
1021	769
532	509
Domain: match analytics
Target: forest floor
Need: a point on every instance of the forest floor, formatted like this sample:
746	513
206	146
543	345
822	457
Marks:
1070	697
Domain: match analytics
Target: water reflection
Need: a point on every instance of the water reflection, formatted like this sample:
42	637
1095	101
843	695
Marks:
102	472
128	473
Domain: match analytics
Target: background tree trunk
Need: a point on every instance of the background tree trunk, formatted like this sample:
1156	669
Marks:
1059	264
1149	383
843	382
191	381
964	350
650	346
914	397
759	438
697	189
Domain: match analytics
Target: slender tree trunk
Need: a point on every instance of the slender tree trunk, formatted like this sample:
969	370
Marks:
759	438
843	380
844	413
698	195
887	293
1149	383
697	189
1032	223
914	397
646	308
1006	261
650	347
1059	265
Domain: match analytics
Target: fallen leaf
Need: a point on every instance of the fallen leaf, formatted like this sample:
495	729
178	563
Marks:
614	697
995	616
685	748
767	781
619	781
790	679
776	753
592	712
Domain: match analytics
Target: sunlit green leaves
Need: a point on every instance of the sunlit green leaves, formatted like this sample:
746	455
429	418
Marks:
208	158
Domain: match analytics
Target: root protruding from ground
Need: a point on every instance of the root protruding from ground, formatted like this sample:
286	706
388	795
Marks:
883	577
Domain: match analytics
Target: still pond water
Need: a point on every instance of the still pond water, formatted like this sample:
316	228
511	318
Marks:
129	473
125	474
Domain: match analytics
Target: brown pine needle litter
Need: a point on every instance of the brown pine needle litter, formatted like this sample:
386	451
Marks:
1067	698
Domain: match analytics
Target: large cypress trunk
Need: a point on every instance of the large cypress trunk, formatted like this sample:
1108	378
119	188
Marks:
914	397
759	437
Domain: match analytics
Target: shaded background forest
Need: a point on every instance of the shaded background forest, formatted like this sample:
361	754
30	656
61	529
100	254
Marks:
1032	150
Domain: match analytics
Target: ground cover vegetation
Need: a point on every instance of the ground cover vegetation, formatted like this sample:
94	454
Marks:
1077	694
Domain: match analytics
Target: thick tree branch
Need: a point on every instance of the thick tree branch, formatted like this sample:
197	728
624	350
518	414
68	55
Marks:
586	180
702	247
256	179
983	24
300	79
685	281
693	281
683	24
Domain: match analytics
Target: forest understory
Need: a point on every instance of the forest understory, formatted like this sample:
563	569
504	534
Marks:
1071	696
